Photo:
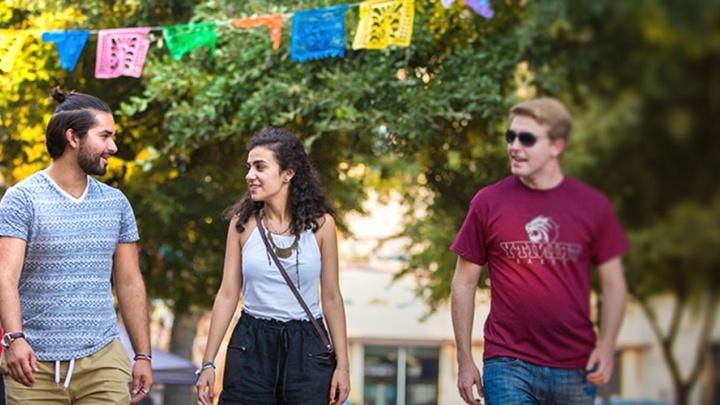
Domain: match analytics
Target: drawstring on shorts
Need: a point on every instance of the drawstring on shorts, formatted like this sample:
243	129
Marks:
68	377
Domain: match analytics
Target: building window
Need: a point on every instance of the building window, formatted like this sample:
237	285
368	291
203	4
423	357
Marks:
380	375
422	376
398	375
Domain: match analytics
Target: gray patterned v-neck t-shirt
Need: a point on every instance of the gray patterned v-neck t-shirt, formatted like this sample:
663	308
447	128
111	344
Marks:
65	289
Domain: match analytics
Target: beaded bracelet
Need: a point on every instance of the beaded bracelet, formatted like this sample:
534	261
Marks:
206	365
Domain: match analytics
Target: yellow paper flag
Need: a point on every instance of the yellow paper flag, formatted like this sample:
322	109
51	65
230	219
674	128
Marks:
383	23
11	43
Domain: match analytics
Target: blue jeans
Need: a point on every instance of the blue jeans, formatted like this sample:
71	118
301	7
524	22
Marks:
508	381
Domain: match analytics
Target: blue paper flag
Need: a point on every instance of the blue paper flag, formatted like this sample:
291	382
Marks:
318	33
69	45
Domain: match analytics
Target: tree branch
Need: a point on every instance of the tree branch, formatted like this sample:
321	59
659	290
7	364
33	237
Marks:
704	343
665	344
676	319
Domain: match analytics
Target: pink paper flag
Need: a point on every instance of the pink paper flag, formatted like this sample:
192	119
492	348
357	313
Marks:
447	3
121	52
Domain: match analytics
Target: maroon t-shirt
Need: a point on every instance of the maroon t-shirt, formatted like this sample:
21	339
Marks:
540	246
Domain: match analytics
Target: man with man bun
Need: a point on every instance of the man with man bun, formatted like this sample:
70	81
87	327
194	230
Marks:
65	240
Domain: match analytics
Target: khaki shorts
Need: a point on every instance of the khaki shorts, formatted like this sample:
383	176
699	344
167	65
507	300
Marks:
101	378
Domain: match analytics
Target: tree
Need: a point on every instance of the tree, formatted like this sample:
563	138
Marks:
25	101
424	119
685	241
642	80
361	117
358	116
650	100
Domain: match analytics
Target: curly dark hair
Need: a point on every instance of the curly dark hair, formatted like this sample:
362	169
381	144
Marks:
308	202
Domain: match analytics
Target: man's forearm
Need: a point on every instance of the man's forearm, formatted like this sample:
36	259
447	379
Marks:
10	315
12	256
613	311
133	307
463	311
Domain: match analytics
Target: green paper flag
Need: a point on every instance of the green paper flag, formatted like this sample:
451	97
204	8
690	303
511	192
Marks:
183	38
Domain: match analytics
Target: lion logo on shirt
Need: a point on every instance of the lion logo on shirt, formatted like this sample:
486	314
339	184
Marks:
543	245
542	229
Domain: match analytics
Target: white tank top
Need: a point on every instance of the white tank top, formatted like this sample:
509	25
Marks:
265	292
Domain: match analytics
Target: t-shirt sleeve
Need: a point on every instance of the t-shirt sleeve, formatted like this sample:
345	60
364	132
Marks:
16	214
128	226
470	240
610	240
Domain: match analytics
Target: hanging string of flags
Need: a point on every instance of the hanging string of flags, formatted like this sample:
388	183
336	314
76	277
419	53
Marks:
315	34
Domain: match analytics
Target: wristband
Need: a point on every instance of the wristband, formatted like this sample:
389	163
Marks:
206	365
142	356
9	337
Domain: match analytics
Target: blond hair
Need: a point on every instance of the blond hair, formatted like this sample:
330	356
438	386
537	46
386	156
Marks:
546	111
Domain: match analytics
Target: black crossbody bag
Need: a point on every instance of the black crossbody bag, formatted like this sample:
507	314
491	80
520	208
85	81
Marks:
294	289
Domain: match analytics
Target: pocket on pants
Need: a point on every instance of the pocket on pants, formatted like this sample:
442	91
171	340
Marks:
588	390
241	362
241	342
119	357
317	351
326	358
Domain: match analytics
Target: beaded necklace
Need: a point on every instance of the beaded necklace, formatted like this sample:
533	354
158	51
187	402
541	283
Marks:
284	252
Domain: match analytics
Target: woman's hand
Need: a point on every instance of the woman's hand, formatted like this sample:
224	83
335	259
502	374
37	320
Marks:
340	386
204	386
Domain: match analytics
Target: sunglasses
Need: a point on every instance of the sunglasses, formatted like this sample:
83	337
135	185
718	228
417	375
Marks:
527	139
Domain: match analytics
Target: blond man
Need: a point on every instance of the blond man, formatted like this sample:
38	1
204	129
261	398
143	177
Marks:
540	234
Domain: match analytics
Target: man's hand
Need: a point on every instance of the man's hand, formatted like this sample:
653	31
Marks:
21	362
469	375
142	381
600	366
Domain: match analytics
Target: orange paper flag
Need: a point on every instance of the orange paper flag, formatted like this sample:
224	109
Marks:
273	22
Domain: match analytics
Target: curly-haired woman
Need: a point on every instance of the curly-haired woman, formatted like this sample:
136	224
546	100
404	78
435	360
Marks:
276	354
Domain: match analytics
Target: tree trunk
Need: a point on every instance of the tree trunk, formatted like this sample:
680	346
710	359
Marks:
683	386
682	394
181	343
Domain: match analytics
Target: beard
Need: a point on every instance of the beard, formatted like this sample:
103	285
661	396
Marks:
90	163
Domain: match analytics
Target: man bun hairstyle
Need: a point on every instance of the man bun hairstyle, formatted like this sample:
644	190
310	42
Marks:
74	111
58	95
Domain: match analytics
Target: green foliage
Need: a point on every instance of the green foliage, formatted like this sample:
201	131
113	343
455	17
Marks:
25	102
686	241
641	76
384	119
26	107
642	80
